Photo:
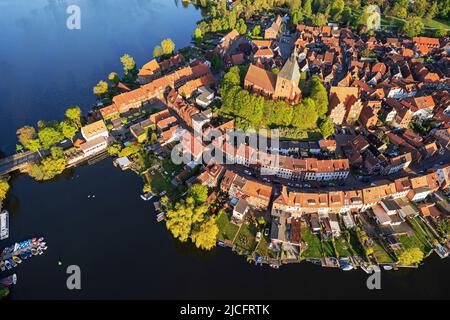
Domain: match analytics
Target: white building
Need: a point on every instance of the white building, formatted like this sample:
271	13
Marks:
95	130
94	146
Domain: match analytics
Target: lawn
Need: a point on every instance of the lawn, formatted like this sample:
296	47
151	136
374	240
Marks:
314	249
428	23
430	235
227	230
343	248
327	249
171	167
160	183
245	240
380	254
263	249
414	242
435	23
356	245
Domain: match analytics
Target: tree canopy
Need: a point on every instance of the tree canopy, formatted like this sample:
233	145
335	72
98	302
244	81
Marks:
326	127
206	235
4	188
49	167
49	136
73	114
189	219
413	27
25	135
182	217
410	256
168	46
199	193
100	88
253	111
128	63
157	51
114	78
68	129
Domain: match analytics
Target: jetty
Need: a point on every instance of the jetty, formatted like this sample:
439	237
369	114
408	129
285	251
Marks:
4	225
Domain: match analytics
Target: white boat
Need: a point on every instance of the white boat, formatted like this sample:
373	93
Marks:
4	225
147	196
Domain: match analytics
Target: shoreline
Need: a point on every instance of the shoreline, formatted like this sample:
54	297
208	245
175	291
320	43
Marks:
160	163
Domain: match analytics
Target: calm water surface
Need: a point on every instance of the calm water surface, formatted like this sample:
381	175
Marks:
121	249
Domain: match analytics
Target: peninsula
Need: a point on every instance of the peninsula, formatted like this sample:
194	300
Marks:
355	107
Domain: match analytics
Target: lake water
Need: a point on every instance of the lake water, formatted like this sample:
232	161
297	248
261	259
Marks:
114	238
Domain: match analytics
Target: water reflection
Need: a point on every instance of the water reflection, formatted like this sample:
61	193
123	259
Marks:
49	67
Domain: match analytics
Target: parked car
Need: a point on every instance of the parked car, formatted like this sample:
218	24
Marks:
266	232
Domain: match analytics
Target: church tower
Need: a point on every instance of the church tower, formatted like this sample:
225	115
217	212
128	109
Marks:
288	79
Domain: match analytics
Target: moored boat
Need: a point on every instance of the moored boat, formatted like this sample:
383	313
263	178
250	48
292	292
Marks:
17	259
13	255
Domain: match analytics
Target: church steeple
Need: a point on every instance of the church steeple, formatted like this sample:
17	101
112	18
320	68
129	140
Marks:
288	79
291	70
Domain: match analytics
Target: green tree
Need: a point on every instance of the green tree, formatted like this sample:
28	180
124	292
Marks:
158	52
206	235
4	188
410	256
413	27
25	134
443	227
68	129
73	114
183	216
199	193
232	18
319	20
305	115
4	292
129	150
128	63
232	77
317	5
101	88
168	46
400	9
326	127
216	62
296	16
241	27
49	136
114	78
420	7
337	8
440	33
19	148
307	10
115	149
432	10
34	145
47	169
57	153
256	30
318	93
198	35
347	15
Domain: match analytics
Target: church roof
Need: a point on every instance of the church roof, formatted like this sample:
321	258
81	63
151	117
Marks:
290	70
